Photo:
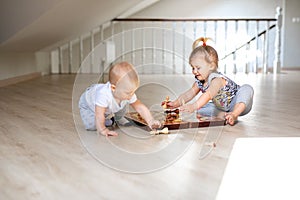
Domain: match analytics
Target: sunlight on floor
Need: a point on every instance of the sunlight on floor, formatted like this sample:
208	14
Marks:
262	168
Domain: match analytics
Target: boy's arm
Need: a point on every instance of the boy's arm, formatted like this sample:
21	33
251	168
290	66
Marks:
100	122
145	114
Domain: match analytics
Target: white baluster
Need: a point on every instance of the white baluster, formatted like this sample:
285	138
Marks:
234	54
173	53
164	46
153	48
204	28
183	47
144	49
277	63
266	48
215	31
70	57
195	30
256	48
246	70
60	66
92	51
80	53
132	47
225	44
123	41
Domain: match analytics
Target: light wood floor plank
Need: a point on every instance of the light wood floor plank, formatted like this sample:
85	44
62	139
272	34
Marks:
42	157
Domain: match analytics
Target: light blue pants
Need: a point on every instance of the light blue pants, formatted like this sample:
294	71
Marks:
244	95
88	115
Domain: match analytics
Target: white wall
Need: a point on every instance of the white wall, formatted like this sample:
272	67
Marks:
17	64
32	25
291	35
212	8
42	62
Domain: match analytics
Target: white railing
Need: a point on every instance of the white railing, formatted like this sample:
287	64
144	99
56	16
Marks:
244	45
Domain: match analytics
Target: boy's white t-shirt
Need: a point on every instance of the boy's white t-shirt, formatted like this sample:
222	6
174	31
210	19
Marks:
101	95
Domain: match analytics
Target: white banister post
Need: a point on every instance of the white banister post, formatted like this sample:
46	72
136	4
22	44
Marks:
277	63
143	48
132	46
153	46
164	44
235	49
92	51
266	49
80	53
70	57
256	46
246	70
60	66
123	41
225	45
183	46
173	45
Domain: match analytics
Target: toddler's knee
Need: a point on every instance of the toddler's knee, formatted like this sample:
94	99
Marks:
89	124
90	127
249	89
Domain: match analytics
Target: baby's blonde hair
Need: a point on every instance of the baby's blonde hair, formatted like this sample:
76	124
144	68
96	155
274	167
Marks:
210	55
123	70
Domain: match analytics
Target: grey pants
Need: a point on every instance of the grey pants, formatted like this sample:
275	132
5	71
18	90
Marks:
244	95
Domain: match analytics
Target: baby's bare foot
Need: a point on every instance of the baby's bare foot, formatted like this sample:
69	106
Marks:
230	118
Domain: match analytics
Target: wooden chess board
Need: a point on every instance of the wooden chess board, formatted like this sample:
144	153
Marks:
183	124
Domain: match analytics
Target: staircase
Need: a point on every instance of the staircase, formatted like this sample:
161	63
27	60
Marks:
162	46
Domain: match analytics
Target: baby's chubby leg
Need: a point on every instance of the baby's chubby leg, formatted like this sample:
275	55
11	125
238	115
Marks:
208	110
242	104
231	117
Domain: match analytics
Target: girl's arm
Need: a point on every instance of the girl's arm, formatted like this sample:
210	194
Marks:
100	122
145	114
212	91
185	97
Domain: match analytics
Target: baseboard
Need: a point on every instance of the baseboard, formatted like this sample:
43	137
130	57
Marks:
291	68
18	79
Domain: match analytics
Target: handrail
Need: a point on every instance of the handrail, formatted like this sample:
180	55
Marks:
191	19
248	42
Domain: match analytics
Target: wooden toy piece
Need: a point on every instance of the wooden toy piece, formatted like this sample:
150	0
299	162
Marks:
212	144
163	131
175	124
171	114
167	98
165	106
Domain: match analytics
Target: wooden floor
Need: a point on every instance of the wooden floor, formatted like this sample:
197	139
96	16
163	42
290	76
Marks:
43	157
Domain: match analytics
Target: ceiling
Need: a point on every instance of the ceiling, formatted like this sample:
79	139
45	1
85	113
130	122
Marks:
32	25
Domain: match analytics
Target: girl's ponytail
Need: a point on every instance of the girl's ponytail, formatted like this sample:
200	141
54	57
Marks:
201	39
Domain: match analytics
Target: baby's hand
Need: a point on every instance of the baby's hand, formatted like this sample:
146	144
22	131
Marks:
111	133
154	124
169	104
107	132
188	108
